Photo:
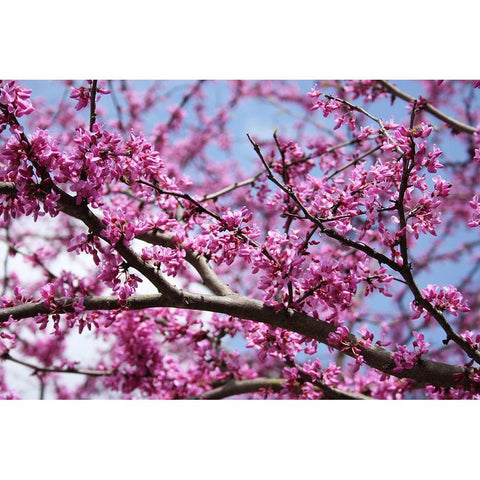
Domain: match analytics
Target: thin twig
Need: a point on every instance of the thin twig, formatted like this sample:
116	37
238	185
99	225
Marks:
5	262
42	389
377	120
38	368
254	178
353	162
60	105
184	101
116	104
93	114
230	188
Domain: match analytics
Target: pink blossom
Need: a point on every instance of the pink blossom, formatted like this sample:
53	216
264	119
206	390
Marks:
406	359
339	338
15	98
82	95
447	298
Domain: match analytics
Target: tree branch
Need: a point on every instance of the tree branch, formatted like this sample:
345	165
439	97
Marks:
380	257
37	368
455	124
93	113
237	232
382	130
117	106
199	262
184	101
69	206
424	372
404	270
240	387
254	178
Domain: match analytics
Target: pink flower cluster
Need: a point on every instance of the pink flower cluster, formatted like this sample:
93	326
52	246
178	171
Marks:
15	99
170	261
404	358
474	220
447	298
82	94
273	342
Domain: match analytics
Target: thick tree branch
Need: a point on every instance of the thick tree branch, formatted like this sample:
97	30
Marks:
424	372
82	212
328	391
241	387
408	163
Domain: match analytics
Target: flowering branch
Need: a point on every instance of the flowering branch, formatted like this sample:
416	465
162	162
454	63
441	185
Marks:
70	206
403	269
320	222
258	175
285	269
241	387
205	210
199	262
37	368
424	372
328	391
455	124
408	163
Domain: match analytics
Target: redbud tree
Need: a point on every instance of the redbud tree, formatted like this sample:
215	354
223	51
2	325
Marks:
331	252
